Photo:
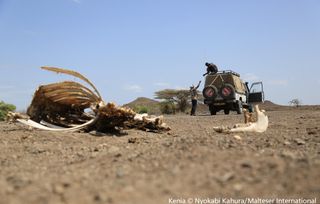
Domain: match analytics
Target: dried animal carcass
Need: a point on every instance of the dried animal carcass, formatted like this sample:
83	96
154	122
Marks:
259	125
62	107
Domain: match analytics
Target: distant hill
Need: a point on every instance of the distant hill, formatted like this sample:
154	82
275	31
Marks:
154	108
142	101
153	105
270	106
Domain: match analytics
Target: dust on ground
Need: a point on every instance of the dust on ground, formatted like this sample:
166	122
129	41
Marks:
139	167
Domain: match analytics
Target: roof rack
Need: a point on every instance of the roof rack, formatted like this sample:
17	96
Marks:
226	72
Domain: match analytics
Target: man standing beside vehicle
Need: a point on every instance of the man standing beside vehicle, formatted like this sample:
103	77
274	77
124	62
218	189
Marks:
194	98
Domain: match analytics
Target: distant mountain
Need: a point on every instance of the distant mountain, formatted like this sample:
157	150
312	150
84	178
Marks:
151	104
270	106
143	101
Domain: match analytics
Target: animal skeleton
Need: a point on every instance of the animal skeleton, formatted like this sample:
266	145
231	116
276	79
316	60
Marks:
61	107
248	117
260	125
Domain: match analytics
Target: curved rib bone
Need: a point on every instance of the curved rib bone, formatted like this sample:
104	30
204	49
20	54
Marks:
72	73
34	124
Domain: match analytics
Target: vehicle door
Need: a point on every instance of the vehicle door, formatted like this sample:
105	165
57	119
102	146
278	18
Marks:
256	93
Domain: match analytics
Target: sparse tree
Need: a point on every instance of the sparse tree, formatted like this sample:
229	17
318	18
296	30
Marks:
295	102
180	97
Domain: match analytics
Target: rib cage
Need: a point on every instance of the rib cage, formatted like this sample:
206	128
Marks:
63	104
73	73
71	94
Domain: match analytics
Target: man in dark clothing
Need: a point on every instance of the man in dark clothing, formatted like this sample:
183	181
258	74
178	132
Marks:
211	68
194	98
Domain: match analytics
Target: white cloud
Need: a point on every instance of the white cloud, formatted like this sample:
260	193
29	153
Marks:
135	88
278	82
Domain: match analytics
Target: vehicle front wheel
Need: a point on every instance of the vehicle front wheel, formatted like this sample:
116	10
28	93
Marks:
239	107
226	111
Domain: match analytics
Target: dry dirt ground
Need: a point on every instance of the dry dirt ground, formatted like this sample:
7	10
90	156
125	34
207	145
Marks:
139	167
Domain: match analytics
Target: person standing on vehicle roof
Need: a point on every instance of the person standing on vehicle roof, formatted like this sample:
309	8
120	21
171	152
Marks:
211	68
194	98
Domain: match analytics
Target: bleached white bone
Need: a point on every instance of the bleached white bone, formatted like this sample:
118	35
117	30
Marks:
34	124
259	126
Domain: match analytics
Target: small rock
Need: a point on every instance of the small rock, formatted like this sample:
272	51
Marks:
58	189
37	151
100	198
102	146
132	140
246	164
237	137
14	156
299	141
226	177
86	149
118	155
287	143
97	197
167	143
25	137
312	131
96	133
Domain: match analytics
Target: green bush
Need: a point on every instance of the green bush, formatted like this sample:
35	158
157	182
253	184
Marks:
4	109
167	107
141	109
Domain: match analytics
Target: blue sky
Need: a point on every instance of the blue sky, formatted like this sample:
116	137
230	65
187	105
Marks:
134	48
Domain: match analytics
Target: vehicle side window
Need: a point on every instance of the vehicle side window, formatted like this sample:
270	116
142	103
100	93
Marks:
256	88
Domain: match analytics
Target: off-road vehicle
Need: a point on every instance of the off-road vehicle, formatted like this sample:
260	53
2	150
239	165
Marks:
225	90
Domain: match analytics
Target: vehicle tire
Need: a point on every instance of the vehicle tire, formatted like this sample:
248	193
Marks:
226	111
227	91
212	109
210	92
239	107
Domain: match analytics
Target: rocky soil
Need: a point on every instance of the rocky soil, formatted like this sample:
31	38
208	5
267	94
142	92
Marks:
139	167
